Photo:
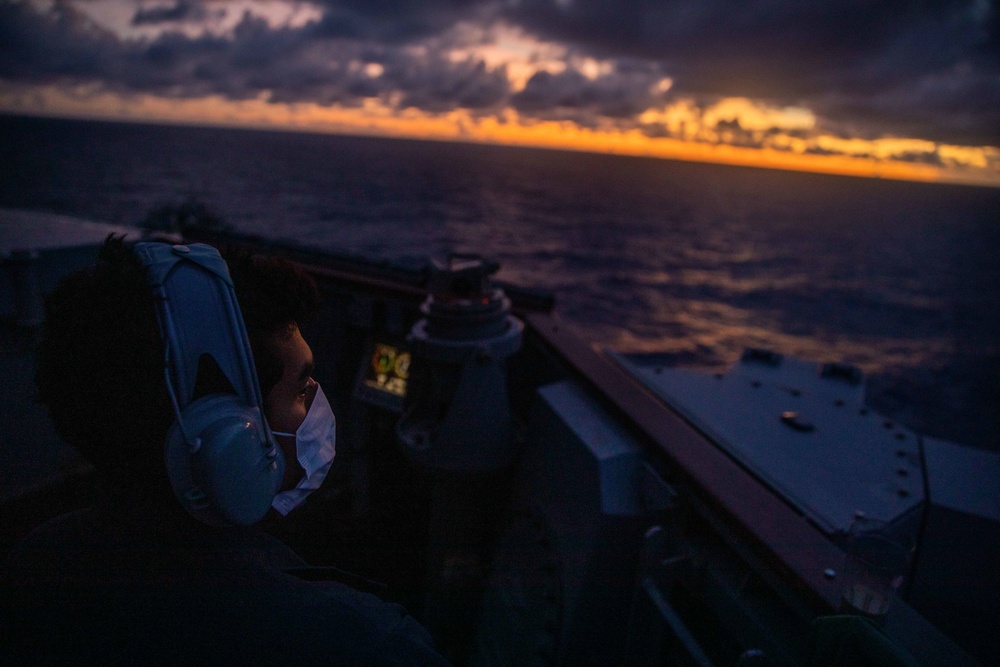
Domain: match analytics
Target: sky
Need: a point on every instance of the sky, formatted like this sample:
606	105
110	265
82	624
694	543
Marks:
890	89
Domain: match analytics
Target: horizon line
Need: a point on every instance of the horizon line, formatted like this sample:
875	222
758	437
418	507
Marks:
714	154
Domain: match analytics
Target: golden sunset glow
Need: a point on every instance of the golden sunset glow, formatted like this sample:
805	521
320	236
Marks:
969	165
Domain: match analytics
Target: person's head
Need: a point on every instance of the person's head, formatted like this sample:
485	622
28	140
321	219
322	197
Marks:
100	364
275	297
100	371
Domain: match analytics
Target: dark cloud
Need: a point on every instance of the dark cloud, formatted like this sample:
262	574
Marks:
50	47
440	85
616	94
293	65
392	21
797	51
765	48
176	13
959	106
926	69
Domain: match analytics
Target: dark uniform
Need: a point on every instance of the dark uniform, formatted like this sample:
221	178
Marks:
107	587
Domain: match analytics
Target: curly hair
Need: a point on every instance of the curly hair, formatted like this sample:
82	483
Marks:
275	297
100	358
100	365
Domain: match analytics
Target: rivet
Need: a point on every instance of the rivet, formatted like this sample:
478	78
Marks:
830	573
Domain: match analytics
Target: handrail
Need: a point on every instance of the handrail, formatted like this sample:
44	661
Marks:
796	544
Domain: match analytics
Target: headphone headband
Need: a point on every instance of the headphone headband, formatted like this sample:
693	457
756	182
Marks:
193	284
223	462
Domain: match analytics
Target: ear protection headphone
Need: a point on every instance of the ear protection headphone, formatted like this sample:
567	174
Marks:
223	463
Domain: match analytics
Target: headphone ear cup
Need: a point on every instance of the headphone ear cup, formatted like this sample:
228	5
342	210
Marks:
232	469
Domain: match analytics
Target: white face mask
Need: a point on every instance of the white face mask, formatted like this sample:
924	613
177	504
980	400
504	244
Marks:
315	446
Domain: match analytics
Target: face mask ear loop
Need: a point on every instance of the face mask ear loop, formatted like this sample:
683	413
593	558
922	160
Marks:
168	321
173	397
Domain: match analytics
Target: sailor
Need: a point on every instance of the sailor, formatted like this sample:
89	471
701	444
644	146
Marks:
275	298
316	511
165	568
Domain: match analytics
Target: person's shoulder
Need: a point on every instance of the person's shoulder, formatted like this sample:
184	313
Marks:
51	538
372	631
68	526
259	548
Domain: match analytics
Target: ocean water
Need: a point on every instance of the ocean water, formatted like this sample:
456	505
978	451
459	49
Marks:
700	261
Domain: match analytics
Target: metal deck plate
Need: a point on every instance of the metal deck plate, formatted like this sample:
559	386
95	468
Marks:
832	459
